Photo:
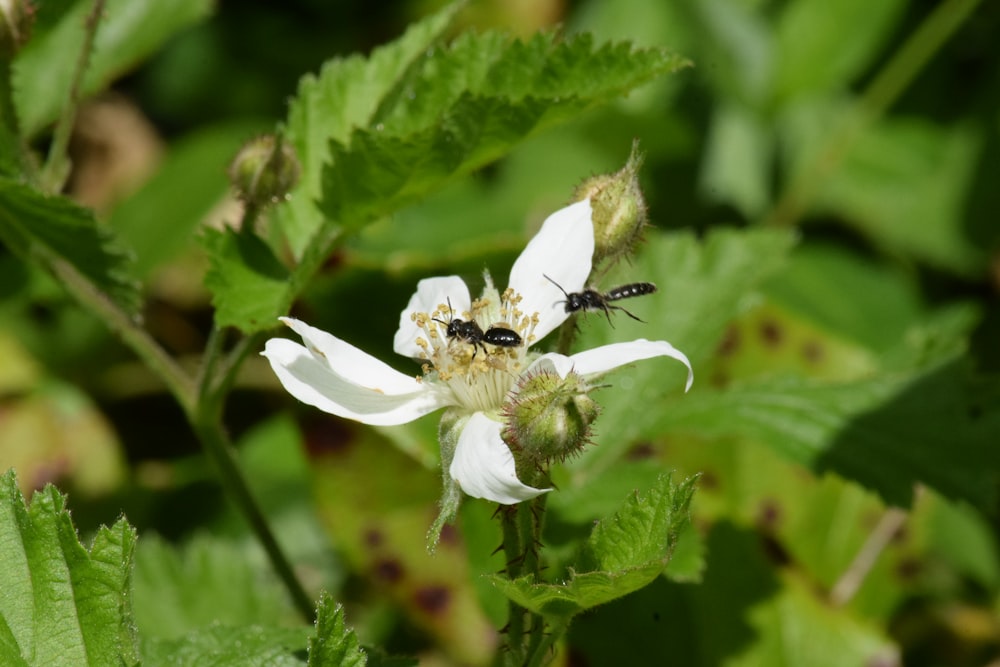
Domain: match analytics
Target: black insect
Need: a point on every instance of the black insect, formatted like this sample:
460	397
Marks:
470	332
591	299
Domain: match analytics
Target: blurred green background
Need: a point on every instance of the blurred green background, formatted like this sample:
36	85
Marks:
870	128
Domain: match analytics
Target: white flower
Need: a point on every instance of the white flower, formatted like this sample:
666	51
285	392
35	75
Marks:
473	378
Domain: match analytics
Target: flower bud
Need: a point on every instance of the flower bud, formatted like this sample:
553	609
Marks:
16	17
619	208
264	171
548	419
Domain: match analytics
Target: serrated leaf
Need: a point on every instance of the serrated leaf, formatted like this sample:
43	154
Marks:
645	529
208	580
249	285
629	550
129	31
466	105
746	613
226	646
60	603
702	286
345	95
61	234
887	432
334	644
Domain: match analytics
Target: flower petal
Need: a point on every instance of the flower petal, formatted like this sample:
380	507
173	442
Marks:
552	362
484	467
607	357
562	250
431	292
338	378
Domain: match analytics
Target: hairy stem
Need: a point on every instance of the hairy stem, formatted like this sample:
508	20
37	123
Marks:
883	91
57	165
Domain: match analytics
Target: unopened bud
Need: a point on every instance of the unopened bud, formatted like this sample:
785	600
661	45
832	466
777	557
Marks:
16	17
549	417
264	171
619	208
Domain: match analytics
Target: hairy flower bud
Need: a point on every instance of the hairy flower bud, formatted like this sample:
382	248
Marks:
16	17
619	208
264	171
548	419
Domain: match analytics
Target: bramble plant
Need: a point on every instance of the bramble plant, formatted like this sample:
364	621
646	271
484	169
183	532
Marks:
493	460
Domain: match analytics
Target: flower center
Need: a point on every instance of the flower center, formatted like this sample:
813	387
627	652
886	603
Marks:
477	354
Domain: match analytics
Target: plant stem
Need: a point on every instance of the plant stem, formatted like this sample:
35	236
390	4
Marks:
19	161
132	334
540	654
852	578
567	334
522	527
881	93
223	455
57	165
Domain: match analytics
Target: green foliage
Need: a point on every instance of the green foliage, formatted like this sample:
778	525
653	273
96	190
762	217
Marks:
61	603
334	645
181	590
129	31
227	646
628	550
703	286
245	278
822	185
65	237
471	102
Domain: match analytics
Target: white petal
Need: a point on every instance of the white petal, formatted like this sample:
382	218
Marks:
553	362
562	250
484	467
431	292
338	378
608	357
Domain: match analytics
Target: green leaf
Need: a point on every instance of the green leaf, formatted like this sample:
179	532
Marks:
812	52
466	105
345	95
888	432
904	183
645	529
746	613
870	303
129	31
334	644
738	161
60	603
208	580
703	285
64	236
629	550
225	646
249	285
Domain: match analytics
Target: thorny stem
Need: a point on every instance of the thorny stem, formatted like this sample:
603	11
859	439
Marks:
522	525
852	578
883	91
57	165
